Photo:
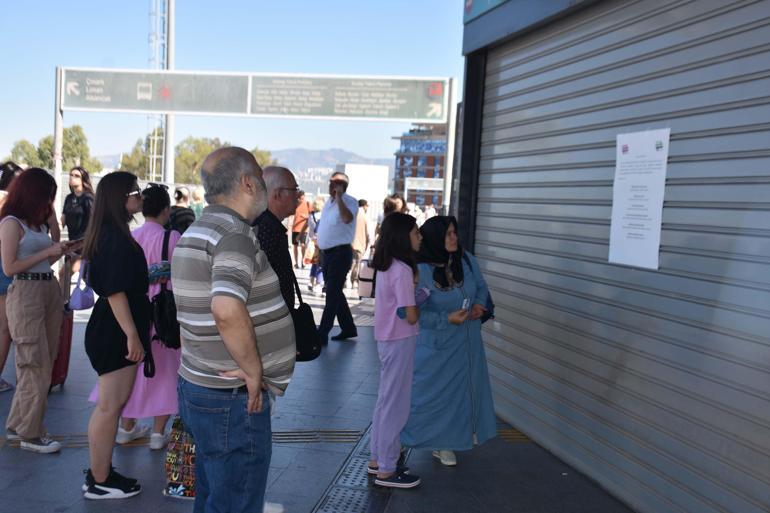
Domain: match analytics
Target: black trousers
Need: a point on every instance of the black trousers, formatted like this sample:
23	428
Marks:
336	264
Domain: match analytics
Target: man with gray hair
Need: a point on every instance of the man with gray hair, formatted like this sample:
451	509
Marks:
282	199
237	337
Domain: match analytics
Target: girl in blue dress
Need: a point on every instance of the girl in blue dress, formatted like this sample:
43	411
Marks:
451	405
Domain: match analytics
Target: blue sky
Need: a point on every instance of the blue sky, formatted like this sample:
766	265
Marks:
368	37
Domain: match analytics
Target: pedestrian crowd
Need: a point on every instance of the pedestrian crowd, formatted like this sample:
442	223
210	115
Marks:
196	316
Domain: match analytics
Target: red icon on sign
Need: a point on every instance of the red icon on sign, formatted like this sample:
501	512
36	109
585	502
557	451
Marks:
165	93
436	89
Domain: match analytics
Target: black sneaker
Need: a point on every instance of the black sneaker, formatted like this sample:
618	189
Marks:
400	469
398	481
116	486
44	445
90	478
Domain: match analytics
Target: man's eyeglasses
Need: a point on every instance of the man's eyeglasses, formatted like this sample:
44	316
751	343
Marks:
295	189
153	184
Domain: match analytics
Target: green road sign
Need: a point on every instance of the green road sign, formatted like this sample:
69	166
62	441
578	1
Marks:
375	98
154	91
349	97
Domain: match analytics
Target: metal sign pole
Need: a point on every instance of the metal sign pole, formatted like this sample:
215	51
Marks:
168	137
58	141
450	145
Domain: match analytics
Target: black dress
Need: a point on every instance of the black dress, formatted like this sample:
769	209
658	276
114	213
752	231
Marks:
118	266
77	212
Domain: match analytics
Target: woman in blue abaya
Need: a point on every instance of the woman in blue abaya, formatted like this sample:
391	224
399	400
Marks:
451	406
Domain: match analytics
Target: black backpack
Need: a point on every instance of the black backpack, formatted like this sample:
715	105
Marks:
164	310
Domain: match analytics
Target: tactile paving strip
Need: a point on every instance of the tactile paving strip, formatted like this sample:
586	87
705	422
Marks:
343	436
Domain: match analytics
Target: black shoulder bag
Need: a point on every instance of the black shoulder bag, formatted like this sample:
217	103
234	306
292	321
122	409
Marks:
305	331
164	310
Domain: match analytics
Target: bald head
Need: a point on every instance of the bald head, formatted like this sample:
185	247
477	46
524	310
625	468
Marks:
223	169
277	176
282	191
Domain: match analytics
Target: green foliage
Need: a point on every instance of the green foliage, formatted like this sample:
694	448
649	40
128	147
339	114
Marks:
135	161
264	158
190	154
75	152
24	153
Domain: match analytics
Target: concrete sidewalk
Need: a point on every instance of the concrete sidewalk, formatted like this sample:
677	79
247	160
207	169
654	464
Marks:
320	447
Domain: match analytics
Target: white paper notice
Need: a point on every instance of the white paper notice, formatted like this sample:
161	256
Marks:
637	198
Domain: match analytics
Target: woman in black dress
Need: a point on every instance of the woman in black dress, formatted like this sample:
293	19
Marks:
76	213
117	334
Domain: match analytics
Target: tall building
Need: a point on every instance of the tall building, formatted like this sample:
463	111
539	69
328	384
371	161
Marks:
422	155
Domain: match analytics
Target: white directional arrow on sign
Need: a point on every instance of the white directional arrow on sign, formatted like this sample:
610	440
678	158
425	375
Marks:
73	88
434	109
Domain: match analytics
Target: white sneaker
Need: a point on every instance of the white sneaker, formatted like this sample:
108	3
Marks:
123	436
158	441
45	444
447	458
273	507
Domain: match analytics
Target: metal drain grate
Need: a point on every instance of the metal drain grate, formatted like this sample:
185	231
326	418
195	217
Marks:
354	474
352	490
362	451
352	500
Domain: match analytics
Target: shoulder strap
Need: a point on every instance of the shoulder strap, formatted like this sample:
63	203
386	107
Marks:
296	287
467	261
164	254
164	250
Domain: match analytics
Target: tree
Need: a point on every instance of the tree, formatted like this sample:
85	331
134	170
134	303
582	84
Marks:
75	151
264	158
190	154
24	153
135	161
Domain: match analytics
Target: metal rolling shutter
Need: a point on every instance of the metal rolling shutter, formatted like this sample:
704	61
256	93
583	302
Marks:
654	383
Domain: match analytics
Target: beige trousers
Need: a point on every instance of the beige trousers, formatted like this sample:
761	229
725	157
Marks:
34	310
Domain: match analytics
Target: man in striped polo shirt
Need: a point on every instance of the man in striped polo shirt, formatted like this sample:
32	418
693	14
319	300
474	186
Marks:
237	335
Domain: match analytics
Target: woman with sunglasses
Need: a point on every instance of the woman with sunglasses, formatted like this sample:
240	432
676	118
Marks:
118	332
153	397
76	213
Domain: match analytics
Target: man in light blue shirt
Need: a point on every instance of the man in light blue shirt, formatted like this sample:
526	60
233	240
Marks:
335	234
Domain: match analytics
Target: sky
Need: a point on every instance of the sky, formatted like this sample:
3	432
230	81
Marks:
361	37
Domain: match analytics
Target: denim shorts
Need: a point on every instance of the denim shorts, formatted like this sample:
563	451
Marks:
5	282
232	447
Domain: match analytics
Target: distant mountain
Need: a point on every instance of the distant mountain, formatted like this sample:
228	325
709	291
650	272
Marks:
300	159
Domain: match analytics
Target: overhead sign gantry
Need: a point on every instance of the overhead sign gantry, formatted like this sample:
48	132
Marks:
363	98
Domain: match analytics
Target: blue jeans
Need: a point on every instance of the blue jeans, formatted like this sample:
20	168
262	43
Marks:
232	448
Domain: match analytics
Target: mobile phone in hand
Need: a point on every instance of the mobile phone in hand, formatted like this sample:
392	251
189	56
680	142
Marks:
466	303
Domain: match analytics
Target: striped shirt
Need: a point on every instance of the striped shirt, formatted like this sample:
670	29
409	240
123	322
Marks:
219	255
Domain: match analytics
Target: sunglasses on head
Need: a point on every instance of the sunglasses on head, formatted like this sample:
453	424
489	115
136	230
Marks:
153	184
